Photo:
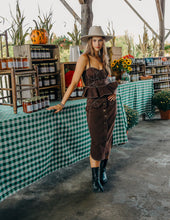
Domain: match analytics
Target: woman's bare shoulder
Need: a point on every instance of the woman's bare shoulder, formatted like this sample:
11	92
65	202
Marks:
83	59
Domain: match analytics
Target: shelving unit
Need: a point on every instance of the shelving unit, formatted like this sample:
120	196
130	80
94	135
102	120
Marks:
47	59
157	67
64	68
160	73
12	95
138	69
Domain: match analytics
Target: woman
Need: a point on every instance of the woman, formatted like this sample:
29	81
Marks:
93	66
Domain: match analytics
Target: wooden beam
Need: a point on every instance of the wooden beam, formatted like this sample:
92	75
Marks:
71	11
159	10
142	18
167	34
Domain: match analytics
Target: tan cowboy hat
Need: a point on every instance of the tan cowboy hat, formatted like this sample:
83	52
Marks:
96	31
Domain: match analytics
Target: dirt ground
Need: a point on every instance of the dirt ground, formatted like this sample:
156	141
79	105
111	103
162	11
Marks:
138	186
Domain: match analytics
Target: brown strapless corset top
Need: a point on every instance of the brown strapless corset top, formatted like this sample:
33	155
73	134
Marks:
97	83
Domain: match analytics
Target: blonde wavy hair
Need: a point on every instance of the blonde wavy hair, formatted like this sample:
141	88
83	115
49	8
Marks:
89	50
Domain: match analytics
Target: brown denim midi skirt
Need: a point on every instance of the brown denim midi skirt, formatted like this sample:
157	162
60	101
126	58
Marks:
101	114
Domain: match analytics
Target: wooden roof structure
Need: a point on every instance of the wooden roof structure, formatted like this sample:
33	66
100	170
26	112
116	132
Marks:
87	19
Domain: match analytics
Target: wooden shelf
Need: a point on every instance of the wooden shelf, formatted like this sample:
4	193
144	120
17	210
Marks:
48	74
159	74
162	81
50	87
44	60
168	88
163	65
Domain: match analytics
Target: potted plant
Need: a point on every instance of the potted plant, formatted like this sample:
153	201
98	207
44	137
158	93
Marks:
132	116
162	101
120	66
74	49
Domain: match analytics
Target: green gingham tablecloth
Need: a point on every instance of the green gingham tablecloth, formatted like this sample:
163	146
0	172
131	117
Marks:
34	145
138	95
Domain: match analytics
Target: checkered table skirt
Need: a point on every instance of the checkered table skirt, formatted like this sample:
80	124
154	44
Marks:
138	95
34	145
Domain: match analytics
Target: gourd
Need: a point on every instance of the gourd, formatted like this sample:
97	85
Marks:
39	35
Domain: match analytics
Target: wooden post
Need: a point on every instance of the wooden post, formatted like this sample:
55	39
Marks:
161	27
86	17
14	93
36	80
6	41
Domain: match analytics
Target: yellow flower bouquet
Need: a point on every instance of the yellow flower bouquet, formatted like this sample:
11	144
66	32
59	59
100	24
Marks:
120	66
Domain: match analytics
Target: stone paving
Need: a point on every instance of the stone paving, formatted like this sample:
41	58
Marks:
138	187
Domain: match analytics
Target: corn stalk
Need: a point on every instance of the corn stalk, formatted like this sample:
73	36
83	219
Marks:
129	42
144	45
110	31
155	46
75	35
16	31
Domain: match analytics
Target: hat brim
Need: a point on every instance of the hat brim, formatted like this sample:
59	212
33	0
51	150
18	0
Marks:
106	37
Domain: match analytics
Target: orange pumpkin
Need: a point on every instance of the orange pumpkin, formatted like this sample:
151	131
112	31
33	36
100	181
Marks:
44	36
39	36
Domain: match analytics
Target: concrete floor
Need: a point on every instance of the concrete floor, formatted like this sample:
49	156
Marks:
138	187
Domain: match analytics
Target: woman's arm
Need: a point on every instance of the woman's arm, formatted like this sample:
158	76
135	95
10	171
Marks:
80	66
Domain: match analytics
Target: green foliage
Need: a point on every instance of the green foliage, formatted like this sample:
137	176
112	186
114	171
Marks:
16	31
167	48
132	117
75	35
162	100
44	21
62	41
64	55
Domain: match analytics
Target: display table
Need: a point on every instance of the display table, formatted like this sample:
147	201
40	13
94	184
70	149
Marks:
138	95
34	145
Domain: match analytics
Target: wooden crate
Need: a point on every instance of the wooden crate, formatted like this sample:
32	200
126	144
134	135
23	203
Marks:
63	66
114	53
27	50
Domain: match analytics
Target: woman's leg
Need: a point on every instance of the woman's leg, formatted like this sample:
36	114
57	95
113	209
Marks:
95	166
94	163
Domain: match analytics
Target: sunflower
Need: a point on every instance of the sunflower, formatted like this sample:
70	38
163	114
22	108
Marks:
114	61
129	68
112	64
129	62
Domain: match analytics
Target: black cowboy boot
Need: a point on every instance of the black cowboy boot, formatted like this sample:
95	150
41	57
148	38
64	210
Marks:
103	176
97	187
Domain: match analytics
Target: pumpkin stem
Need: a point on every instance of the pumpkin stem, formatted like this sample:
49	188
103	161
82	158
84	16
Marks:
36	25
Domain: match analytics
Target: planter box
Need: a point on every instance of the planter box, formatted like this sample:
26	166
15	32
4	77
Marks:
165	115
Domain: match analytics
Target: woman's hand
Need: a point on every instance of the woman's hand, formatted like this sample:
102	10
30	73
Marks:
112	97
58	108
